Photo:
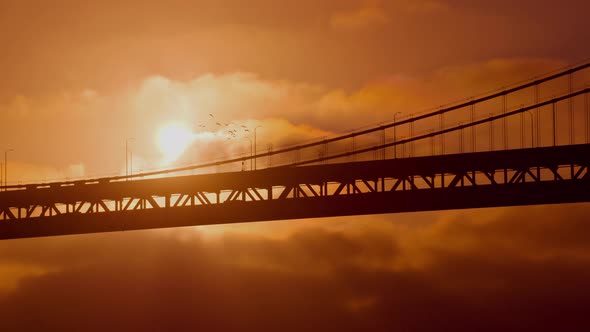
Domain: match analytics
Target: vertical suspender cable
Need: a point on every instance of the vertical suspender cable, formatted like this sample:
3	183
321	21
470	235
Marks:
442	136
571	108
586	106
554	115
473	133
504	130
538	116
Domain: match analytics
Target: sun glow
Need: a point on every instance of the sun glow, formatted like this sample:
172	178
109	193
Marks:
173	139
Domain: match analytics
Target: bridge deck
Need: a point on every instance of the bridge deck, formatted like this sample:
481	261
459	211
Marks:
471	180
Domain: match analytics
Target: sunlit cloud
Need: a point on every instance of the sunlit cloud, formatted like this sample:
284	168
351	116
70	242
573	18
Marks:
173	139
213	116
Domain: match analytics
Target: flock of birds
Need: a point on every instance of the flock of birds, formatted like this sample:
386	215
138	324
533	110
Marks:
232	130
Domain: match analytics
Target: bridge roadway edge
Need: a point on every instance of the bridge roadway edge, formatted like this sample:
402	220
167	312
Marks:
486	196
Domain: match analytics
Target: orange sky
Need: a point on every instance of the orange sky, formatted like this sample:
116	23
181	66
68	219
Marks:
79	78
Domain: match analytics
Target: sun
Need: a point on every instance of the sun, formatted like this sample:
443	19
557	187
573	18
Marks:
173	139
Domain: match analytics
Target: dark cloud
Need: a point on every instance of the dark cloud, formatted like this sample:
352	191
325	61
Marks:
517	269
108	44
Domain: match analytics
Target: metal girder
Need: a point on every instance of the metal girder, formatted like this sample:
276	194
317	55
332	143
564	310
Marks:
304	190
473	171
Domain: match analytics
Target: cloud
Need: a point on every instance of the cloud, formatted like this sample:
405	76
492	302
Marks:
20	173
379	14
13	273
292	39
499	268
220	107
359	19
428	6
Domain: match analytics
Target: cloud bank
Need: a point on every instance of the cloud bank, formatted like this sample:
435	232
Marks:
512	269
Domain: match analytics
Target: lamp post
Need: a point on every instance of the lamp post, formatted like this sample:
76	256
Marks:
128	158
403	147
6	167
249	139
255	145
532	129
394	138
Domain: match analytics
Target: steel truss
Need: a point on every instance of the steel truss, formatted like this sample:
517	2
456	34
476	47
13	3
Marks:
499	178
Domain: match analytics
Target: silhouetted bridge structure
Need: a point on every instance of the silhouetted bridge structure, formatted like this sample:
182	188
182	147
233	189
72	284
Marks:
346	175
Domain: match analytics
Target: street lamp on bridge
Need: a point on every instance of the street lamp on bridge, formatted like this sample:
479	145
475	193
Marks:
249	139
255	145
6	167
394	138
128	158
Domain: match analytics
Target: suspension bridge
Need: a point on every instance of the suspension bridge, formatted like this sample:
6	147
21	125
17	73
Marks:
522	145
